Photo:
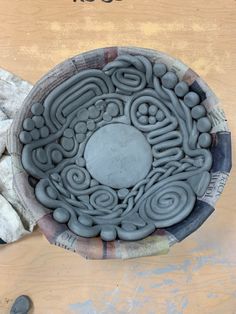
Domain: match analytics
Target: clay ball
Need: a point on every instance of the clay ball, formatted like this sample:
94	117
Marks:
68	133
143	109
93	112
191	99
41	155
159	69
160	116
28	124
38	121
25	137
198	111
80	162
169	80
108	233
204	140
61	215
37	109
112	109
44	131
143	119
56	156
152	120
80	137
67	143
122	193
152	110
83	114
91	125
81	127
35	134
204	124
181	89
51	193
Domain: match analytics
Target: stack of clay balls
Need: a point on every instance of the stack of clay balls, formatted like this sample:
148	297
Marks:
34	128
149	114
169	80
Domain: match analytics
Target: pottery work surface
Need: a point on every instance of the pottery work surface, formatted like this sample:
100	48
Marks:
119	151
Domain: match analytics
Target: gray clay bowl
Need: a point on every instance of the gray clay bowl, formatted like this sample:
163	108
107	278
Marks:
162	238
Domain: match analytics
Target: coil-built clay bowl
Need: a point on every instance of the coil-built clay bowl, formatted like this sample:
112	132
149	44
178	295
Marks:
161	239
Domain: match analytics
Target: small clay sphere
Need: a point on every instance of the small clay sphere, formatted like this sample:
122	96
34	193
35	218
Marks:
56	156
25	137
41	155
169	80
61	215
69	133
159	69
112	109
35	134
44	131
83	114
122	193
81	127
28	124
108	233
85	220
198	111
80	162
107	117
152	120
143	109
181	89
51	193
143	119
204	140
93	112
38	121
128	226
160	115
191	99
37	109
204	125
100	104
67	143
91	125
152	110
80	137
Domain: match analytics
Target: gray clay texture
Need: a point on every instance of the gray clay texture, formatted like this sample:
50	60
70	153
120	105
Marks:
21	305
120	151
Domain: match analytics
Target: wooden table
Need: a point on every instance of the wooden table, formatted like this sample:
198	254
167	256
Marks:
199	275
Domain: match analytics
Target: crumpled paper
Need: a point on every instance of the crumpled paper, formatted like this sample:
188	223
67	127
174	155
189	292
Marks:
15	222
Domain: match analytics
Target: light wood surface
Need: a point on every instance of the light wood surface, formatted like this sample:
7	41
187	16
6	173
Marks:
199	274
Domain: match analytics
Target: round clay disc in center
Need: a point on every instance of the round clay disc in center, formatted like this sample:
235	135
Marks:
118	155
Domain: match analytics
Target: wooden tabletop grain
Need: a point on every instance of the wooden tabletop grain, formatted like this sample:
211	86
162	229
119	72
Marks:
199	274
